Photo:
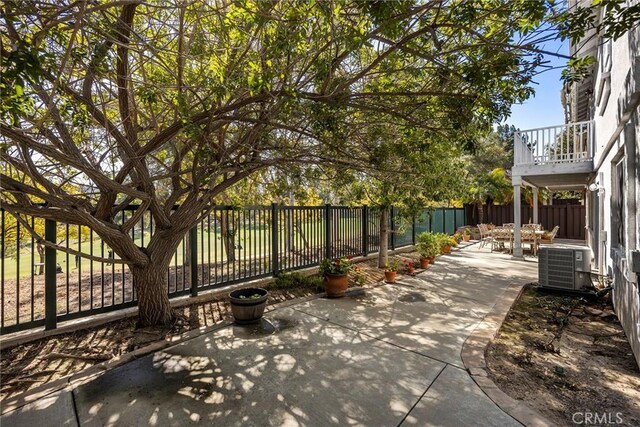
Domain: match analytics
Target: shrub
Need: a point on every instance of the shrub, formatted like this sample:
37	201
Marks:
297	280
335	266
427	244
392	265
443	240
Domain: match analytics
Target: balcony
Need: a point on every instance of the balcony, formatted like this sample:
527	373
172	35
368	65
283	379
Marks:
558	157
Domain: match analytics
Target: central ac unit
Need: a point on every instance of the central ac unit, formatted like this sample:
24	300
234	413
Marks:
566	268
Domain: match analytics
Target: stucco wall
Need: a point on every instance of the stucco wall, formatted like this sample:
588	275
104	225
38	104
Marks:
617	133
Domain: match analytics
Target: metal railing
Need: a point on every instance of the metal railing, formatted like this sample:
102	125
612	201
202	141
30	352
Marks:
568	143
41	286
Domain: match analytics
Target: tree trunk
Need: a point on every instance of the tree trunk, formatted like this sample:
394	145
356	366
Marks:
154	308
186	249
480	212
40	248
227	237
384	238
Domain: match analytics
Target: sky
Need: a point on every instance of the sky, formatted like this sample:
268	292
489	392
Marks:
544	108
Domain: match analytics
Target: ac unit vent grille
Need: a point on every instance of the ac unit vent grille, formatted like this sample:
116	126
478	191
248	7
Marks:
556	268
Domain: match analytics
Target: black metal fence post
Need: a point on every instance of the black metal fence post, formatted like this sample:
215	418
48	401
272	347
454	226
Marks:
365	230
50	264
444	220
392	227
413	230
275	253
327	231
193	256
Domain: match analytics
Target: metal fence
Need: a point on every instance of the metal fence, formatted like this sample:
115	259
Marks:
41	286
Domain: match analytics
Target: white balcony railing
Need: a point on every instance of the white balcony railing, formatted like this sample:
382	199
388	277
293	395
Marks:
570	143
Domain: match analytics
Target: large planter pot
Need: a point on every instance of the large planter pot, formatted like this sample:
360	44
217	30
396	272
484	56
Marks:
466	237
446	249
390	276
424	263
335	285
247	305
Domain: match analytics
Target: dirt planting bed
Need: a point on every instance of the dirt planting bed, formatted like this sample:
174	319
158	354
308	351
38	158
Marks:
568	358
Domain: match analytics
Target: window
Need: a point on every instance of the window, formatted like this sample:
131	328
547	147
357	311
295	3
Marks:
617	205
604	89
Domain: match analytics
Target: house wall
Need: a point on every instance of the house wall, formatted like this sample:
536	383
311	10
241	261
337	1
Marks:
617	133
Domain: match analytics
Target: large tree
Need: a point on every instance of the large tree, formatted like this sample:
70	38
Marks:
408	169
170	103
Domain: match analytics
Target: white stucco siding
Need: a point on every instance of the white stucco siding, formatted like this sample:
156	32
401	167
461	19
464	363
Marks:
617	133
606	114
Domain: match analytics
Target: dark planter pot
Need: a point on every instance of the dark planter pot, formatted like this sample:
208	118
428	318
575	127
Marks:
390	276
424	263
248	310
335	285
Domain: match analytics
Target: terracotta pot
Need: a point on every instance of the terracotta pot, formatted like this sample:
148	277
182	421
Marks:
335	285
446	249
390	276
466	237
424	263
246	309
411	270
432	260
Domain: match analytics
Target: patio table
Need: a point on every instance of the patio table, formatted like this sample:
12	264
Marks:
537	234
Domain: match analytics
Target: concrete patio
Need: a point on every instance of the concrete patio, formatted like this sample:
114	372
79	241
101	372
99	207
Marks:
388	357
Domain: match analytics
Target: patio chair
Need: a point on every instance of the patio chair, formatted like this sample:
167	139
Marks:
482	230
547	238
534	227
500	236
485	234
528	236
509	225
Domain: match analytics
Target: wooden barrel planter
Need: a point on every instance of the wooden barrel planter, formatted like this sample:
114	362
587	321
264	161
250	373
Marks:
336	285
248	304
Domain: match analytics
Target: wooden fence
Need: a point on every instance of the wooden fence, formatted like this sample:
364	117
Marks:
570	218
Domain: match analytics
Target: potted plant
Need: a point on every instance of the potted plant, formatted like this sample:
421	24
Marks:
457	237
424	262
427	246
390	271
247	304
408	266
444	243
466	235
336	280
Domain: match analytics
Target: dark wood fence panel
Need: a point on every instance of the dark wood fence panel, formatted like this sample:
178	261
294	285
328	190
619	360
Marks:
570	218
